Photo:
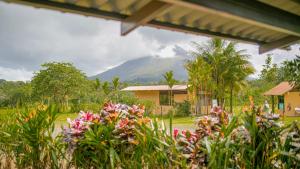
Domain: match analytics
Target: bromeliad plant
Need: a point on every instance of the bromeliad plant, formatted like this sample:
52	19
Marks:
28	139
255	141
119	137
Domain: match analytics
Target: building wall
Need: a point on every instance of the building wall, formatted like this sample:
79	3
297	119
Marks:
154	97
179	98
292	99
148	95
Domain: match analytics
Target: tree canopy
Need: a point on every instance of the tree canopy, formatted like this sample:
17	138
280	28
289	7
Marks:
292	71
219	68
58	81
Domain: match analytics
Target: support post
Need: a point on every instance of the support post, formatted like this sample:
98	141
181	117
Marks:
273	105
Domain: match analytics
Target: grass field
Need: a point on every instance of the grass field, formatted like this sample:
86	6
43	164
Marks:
178	122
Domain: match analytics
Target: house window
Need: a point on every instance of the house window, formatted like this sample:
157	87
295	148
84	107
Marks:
164	98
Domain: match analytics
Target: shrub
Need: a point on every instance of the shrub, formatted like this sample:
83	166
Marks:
28	139
119	137
183	109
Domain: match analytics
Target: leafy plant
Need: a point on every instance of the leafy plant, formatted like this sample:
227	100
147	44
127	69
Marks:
183	109
29	140
119	137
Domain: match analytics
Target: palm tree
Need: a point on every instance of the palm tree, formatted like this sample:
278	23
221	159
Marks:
169	78
106	89
238	69
116	85
97	84
198	80
228	67
212	54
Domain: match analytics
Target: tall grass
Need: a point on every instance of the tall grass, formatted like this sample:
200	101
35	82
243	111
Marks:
26	139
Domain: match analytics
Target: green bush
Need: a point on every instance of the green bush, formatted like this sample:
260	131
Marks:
183	109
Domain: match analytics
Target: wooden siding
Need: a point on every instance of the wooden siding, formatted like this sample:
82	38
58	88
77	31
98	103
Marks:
292	98
154	97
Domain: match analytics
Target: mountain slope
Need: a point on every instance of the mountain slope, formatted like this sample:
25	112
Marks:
146	69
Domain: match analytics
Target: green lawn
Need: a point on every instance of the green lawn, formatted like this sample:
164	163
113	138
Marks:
178	122
289	120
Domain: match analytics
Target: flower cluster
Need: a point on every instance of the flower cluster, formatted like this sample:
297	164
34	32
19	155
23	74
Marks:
211	124
124	118
128	122
190	143
78	126
187	142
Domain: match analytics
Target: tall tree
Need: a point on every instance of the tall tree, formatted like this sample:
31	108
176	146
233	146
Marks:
169	78
238	69
292	71
106	88
228	67
58	82
199	81
116	86
97	84
270	71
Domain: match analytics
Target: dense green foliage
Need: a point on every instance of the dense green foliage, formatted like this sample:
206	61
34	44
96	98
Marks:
292	71
58	82
271	75
66	86
183	109
219	69
14	94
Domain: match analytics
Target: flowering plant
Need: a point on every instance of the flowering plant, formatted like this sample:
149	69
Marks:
121	136
211	124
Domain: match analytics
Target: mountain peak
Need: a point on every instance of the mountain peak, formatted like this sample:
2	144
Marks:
146	69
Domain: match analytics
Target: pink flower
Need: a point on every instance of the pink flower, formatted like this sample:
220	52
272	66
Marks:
175	132
109	107
87	116
190	136
123	123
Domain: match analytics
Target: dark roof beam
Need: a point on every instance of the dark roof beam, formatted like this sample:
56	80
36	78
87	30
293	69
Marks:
143	16
281	43
254	13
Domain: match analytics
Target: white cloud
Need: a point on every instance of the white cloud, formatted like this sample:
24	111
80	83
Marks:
15	74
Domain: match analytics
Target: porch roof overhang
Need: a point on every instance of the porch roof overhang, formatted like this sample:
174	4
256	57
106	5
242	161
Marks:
267	23
156	88
280	89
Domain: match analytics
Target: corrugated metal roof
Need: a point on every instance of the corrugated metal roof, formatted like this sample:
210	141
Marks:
260	22
280	89
291	6
155	88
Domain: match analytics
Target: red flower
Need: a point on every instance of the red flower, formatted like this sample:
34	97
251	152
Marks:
123	123
175	132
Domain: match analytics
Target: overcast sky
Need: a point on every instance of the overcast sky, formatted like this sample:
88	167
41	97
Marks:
30	37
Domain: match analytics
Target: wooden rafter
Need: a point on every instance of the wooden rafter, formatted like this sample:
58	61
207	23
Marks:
278	44
143	15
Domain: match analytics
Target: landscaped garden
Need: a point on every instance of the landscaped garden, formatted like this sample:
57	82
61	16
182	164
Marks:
120	136
61	119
